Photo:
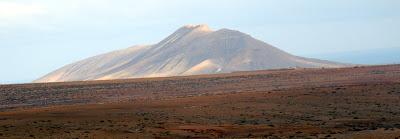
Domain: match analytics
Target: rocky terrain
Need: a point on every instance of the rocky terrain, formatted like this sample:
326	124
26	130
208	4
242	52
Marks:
355	102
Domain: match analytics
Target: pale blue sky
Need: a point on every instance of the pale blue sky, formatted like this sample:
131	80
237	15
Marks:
39	36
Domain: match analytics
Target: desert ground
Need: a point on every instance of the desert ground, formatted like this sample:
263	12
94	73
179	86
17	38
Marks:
357	102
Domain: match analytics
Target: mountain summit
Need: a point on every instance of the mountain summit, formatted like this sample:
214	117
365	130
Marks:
191	50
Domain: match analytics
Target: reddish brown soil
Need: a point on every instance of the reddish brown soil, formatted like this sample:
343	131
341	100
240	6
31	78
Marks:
362	102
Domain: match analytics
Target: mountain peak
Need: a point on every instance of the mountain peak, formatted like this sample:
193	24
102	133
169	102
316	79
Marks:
191	50
199	27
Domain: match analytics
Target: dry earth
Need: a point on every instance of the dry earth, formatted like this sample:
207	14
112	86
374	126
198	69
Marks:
358	102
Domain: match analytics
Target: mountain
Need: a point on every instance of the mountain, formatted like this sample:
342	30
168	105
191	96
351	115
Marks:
191	50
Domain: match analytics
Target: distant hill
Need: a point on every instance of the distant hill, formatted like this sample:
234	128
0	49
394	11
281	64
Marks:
191	50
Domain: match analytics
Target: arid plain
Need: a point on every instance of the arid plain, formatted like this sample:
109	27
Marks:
356	102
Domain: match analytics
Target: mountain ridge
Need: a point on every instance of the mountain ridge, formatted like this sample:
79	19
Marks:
190	50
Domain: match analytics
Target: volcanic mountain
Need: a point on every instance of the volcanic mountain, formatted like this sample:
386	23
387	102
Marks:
191	50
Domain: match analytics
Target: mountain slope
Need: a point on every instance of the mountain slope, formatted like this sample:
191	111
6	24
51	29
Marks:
191	50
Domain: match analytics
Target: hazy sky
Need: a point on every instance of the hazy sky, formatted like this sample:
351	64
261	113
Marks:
38	36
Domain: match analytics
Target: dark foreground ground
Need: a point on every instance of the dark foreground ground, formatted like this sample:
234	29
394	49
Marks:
362	102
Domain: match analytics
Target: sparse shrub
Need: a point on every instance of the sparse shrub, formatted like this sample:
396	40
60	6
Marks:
377	72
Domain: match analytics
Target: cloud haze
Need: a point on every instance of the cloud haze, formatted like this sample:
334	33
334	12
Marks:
15	12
